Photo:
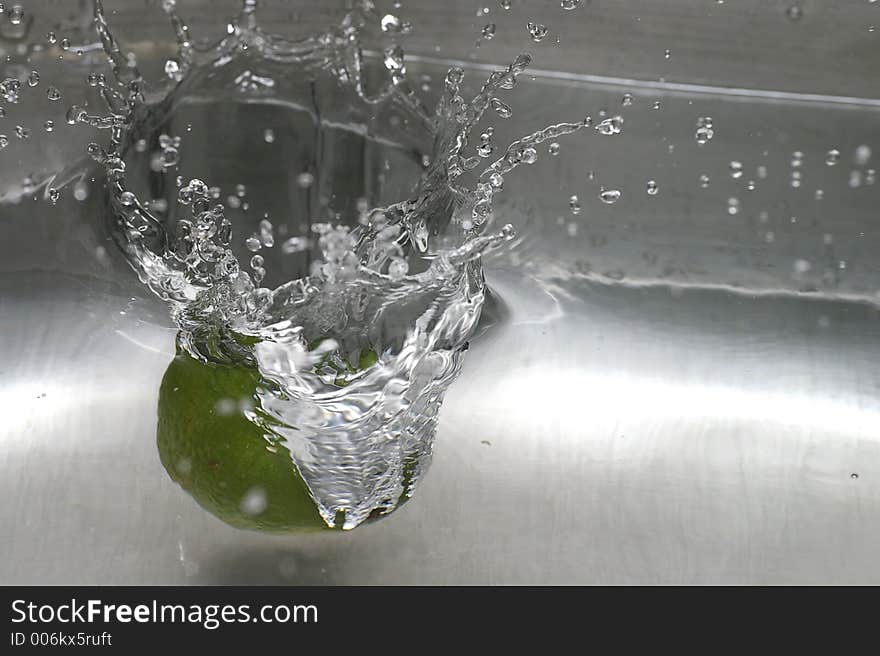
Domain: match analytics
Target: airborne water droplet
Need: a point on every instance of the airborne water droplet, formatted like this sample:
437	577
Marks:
609	196
537	31
832	157
652	188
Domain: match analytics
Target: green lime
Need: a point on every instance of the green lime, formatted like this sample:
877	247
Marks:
230	465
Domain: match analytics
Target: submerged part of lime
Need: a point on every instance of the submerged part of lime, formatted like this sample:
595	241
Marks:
232	467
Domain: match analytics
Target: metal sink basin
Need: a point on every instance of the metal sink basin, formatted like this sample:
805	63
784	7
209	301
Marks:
674	388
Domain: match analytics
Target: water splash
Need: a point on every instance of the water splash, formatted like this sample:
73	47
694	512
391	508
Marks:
396	286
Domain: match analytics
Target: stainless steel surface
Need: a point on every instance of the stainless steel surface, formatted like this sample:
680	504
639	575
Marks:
667	395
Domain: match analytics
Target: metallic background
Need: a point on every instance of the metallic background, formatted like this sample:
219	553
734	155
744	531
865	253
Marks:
666	394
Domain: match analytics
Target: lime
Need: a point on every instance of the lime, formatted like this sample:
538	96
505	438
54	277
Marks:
231	466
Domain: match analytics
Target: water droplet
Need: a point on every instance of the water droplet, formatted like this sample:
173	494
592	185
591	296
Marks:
489	31
610	126
505	4
627	100
862	155
54	195
253	244
568	5
736	169
174	70
529	155
4	141
705	130
49	126
553	149
657	105
609	196
391	24
574	204
65	44
855	179
269	135
305	180
732	205
797	159
832	157
394	59
33	78
16	14
501	108
667	53
51	38
794	12
53	94
537	31
22	132
704	180
652	188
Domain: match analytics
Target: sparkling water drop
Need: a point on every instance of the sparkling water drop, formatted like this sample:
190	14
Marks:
394	59
253	244
305	180
832	157
16	14
627	100
736	169
553	149
51	38
4	141
501	108
537	31
609	196
174	70
574	204
530	155
53	94
652	188
391	24
862	155
496	180
54	195
568	5
704	180
22	132
733	205
505	4
269	135
610	126
33	78
489	31
49	126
